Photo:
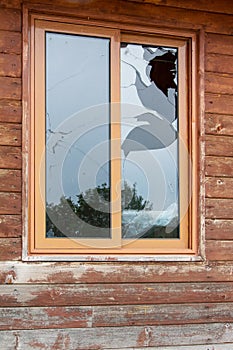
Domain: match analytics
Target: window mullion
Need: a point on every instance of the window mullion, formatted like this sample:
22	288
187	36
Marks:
115	134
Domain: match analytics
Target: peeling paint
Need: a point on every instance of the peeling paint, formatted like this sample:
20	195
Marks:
10	278
16	341
145	337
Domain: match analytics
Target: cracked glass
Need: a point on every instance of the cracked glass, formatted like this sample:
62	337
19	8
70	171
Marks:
78	139
149	145
77	136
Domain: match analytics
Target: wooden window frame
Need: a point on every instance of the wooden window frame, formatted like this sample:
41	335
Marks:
35	244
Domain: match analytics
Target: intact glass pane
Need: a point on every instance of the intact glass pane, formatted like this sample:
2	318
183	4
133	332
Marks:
149	132
77	136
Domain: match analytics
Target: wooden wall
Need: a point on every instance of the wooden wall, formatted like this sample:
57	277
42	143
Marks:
113	305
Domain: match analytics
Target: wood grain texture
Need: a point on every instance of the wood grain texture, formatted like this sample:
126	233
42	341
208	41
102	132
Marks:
218	124
10	111
10	42
216	43
10	226
219	250
10	19
16	4
219	166
10	180
10	134
13	295
219	187
115	337
10	88
10	249
225	346
219	146
10	157
218	63
219	208
175	306
217	103
10	65
219	83
104	316
219	229
202	5
50	317
119	10
114	273
10	203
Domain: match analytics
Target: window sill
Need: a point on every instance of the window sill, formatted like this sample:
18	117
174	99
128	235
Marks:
123	258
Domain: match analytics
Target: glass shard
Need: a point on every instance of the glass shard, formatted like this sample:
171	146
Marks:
150	175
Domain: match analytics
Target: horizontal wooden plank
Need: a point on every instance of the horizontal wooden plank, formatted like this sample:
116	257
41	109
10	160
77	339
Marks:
104	316
10	111
219	83
10	180
10	249
219	208
10	157
217	103
161	314
218	63
202	5
10	42
119	337
219	229
10	88
219	250
10	134
216	43
11	3
225	346
114	294
10	65
50	317
218	166
161	16
10	226
10	203
219	187
219	145
77	272
10	19
218	124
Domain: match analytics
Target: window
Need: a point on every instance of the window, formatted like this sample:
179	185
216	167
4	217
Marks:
112	140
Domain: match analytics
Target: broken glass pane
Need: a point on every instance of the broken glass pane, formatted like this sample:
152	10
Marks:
150	195
77	136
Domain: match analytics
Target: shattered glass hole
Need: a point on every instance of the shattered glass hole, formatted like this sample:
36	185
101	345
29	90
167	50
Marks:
149	141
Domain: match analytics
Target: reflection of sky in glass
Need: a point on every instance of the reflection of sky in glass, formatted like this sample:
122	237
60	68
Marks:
77	133
149	145
77	127
77	78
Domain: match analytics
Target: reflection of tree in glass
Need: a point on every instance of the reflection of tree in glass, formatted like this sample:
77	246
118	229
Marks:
58	216
131	200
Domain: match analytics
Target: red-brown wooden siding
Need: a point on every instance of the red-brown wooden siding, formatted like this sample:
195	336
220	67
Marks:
115	305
